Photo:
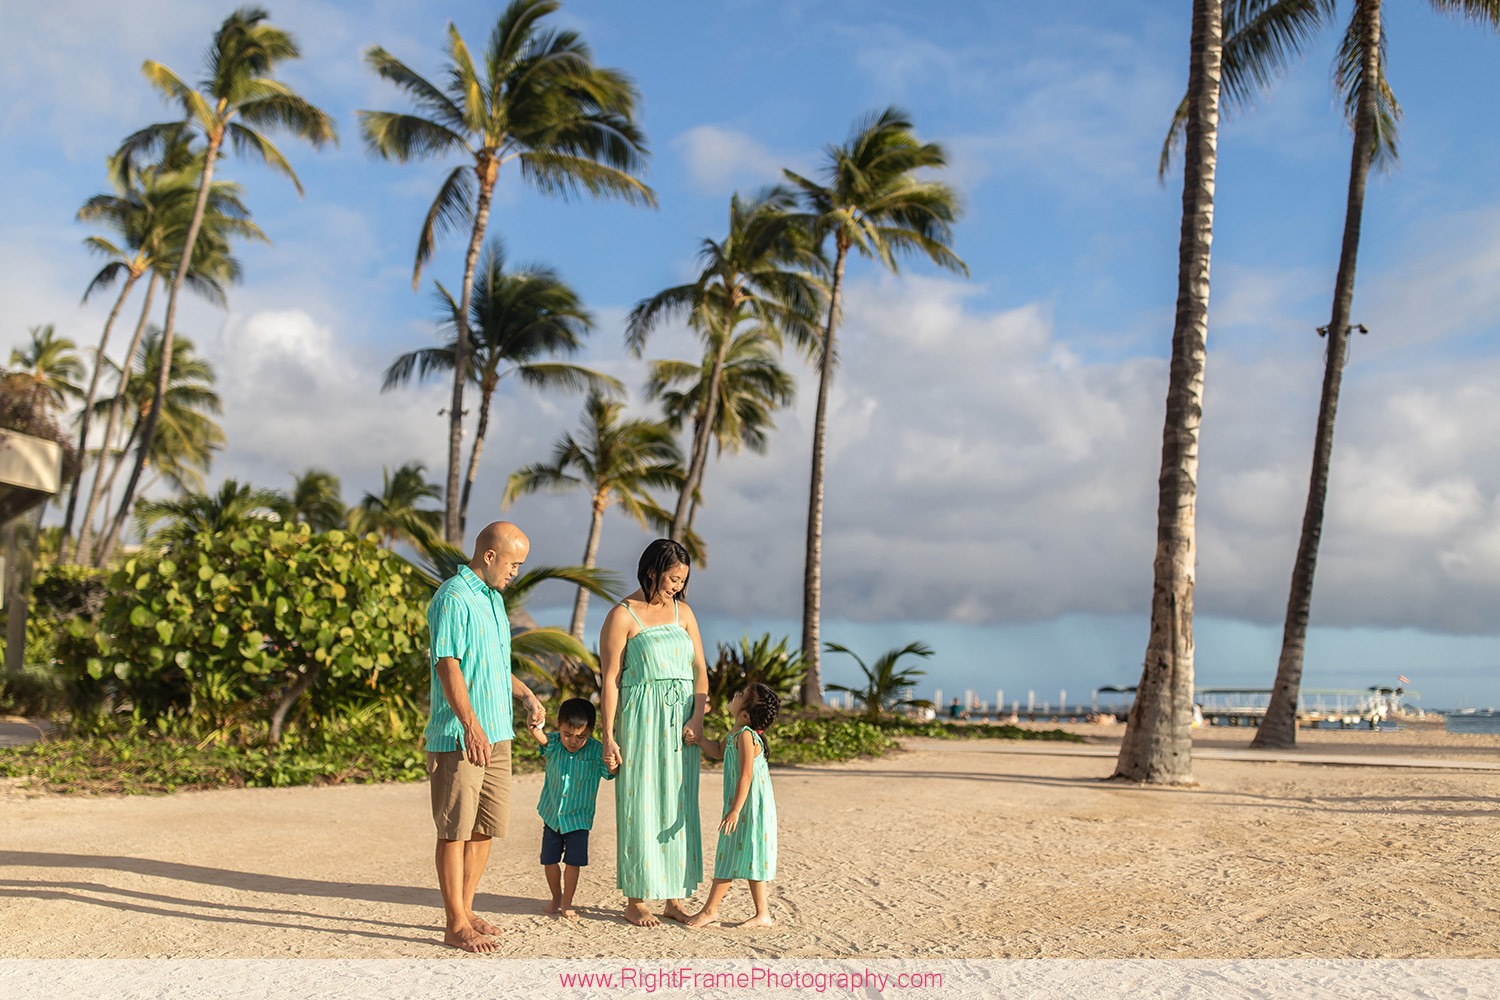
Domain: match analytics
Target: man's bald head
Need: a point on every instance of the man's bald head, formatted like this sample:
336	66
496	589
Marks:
499	551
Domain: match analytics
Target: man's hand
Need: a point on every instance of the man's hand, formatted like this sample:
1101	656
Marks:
538	714
476	744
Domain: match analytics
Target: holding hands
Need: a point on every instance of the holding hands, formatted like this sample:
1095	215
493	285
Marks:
612	758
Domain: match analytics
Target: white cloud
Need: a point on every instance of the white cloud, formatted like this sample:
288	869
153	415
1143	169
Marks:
720	160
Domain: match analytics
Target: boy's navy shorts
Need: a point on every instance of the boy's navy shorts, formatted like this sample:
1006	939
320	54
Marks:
568	848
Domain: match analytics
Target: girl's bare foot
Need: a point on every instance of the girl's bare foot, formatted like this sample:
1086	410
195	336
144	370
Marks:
469	939
553	906
757	921
571	913
702	918
674	912
637	914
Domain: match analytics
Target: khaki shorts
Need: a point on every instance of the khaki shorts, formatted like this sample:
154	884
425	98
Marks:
469	801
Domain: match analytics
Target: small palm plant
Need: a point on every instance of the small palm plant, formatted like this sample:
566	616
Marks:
752	663
884	683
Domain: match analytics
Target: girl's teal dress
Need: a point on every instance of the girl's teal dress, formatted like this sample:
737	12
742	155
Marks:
658	839
750	851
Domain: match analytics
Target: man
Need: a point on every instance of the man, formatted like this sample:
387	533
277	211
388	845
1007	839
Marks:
469	735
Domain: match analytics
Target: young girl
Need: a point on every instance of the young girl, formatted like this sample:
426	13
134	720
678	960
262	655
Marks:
747	834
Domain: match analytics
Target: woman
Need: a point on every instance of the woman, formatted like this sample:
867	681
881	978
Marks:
654	674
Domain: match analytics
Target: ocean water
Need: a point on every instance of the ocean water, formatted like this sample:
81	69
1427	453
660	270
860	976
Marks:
1476	723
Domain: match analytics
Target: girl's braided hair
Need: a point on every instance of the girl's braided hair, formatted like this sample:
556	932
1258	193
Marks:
763	712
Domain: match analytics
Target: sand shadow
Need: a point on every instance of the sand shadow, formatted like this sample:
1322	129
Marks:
400	895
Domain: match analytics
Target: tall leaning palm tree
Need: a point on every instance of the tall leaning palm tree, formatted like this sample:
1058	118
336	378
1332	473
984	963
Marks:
752	386
871	201
618	462
517	319
536	98
236	97
148	216
758	278
1157	746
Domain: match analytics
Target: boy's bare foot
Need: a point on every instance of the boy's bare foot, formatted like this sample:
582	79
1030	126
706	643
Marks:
674	912
757	921
702	918
637	914
469	939
483	926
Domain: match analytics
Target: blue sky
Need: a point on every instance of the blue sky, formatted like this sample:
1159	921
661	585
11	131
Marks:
994	442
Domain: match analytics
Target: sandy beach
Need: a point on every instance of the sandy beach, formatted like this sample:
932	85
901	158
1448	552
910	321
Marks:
949	849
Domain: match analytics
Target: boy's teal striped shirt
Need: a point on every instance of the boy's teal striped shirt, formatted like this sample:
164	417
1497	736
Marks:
571	787
467	621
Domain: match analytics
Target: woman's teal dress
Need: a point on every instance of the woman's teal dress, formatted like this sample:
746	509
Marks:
750	851
658	839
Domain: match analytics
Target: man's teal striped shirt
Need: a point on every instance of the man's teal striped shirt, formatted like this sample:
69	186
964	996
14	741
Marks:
466	620
571	788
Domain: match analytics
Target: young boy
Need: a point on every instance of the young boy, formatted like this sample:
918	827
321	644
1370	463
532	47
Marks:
575	765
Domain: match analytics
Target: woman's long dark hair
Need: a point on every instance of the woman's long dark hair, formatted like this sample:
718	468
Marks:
660	556
763	712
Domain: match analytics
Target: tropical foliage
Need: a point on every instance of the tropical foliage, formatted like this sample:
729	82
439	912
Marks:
535	98
886	682
757	662
874	200
394	513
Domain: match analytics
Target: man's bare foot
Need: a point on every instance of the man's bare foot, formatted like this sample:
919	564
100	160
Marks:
672	911
553	906
637	914
483	926
469	939
757	921
702	918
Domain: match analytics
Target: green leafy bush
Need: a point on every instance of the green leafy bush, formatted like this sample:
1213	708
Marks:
246	633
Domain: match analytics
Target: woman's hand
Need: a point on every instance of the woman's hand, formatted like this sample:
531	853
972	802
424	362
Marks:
693	730
612	758
730	821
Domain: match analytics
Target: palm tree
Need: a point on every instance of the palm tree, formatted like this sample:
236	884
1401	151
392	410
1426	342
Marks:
187	433
752	386
1260	39
316	500
1157	746
50	368
233	507
516	319
884	684
617	461
538	99
238	95
871	201
394	514
758	275
149	214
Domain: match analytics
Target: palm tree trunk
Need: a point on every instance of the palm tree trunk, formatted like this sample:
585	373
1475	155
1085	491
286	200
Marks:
486	394
88	412
289	698
1157	746
453	530
812	575
703	433
590	553
83	556
1279	727
169	331
107	542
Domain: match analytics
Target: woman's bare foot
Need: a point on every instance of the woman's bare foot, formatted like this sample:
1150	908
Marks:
483	926
637	914
702	918
757	921
469	939
673	911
